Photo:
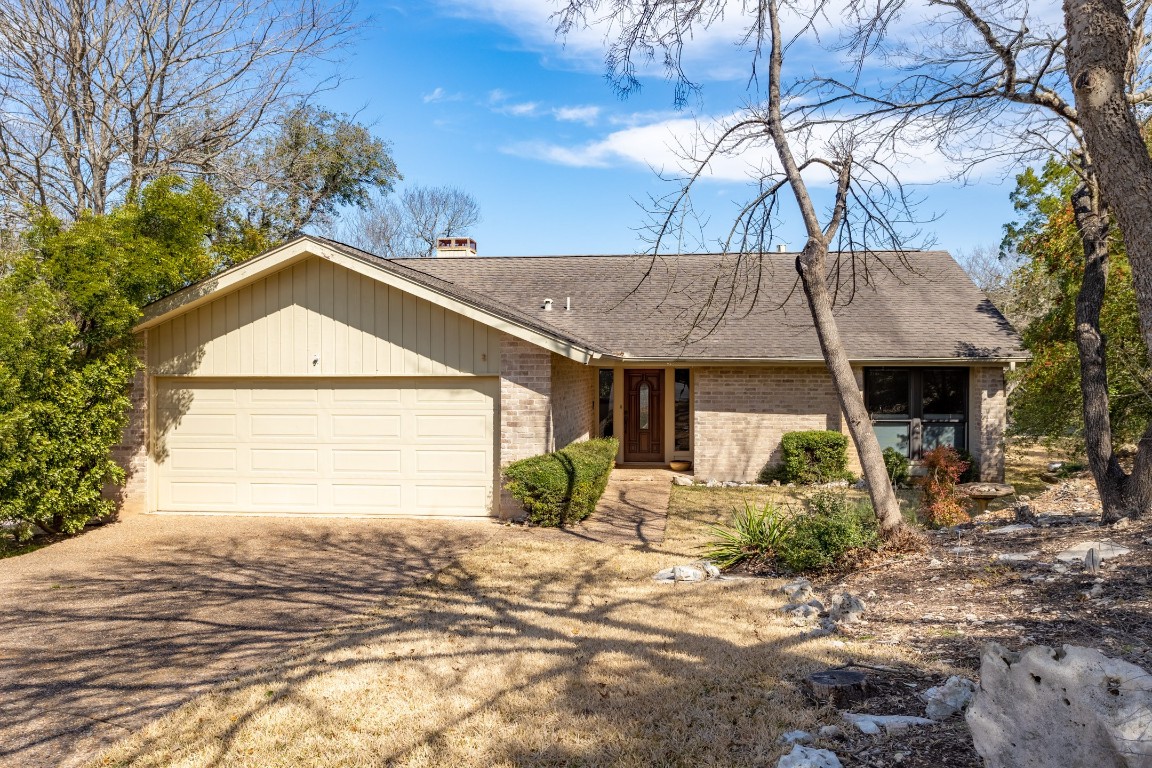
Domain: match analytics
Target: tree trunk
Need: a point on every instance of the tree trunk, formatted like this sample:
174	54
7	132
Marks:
1111	481
1098	40
1099	37
811	264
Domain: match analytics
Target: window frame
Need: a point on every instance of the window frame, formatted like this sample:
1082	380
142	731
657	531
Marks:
916	422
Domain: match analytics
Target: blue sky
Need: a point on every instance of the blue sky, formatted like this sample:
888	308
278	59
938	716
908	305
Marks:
482	96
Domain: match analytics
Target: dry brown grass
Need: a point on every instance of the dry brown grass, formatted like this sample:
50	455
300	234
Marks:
535	649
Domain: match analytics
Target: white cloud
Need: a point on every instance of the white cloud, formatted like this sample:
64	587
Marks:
671	146
436	95
586	114
523	109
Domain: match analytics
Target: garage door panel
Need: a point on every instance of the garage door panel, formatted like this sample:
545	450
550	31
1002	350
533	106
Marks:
456	426
284	425
359	395
362	497
210	426
433	497
359	425
414	446
199	459
289	495
284	394
285	459
375	462
211	495
449	395
449	461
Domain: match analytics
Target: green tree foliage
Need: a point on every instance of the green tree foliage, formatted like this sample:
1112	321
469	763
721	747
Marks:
68	302
316	163
1046	401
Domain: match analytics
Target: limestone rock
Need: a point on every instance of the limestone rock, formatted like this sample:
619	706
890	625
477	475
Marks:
846	608
1014	528
1011	558
871	724
680	573
806	757
713	483
803	613
946	700
1106	550
831	732
796	737
682	480
798	590
1076	706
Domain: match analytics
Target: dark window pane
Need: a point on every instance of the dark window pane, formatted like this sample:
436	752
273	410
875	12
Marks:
893	435
886	391
944	393
606	394
951	435
683	416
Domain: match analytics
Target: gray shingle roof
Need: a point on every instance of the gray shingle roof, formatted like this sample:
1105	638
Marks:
721	307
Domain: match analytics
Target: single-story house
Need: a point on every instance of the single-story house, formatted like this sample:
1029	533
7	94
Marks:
319	379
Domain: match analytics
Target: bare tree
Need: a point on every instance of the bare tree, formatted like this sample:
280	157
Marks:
869	209
407	226
987	81
99	96
993	273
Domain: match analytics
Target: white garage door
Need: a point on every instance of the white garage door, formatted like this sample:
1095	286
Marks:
332	446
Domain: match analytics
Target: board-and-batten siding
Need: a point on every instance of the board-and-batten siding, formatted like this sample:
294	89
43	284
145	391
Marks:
357	326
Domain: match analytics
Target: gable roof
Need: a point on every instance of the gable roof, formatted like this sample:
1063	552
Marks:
394	273
638	308
927	309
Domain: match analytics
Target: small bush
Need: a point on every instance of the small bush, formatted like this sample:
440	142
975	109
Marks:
940	503
817	456
897	465
832	527
753	532
561	488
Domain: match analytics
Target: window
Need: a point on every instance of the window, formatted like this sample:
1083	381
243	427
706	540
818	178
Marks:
917	409
682	411
606	401
644	405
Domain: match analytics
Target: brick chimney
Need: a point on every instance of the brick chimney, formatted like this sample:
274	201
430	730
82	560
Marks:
455	246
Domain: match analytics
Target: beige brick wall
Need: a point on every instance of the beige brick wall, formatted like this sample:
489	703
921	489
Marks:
132	452
573	400
525	400
988	412
741	414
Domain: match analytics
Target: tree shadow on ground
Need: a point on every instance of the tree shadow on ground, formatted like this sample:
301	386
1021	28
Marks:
583	662
100	635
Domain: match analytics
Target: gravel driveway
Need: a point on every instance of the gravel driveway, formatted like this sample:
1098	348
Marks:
102	633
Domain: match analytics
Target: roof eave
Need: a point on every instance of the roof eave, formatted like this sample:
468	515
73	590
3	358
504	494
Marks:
769	361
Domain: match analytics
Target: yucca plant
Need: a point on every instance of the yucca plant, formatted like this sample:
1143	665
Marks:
753	532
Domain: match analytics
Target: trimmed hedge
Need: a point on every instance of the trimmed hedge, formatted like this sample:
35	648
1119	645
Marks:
561	488
817	456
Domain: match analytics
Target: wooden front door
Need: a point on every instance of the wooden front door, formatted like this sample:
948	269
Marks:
644	416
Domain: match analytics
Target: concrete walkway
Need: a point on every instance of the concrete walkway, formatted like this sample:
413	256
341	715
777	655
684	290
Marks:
102	633
633	510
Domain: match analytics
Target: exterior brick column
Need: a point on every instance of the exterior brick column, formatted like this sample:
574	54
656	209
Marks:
132	451
988	411
525	400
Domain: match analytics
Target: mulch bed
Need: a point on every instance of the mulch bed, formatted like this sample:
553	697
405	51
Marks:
945	607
